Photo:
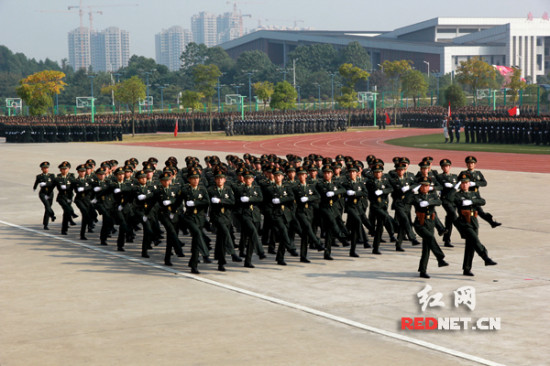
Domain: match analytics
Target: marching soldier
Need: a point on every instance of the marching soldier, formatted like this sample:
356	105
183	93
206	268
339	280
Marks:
378	189
448	181
64	182
47	182
355	191
83	189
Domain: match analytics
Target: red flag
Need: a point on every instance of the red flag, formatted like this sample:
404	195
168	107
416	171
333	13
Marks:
514	111
388	120
176	129
449	113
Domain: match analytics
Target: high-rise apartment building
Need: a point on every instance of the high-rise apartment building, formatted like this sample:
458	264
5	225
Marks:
169	45
107	50
229	26
204	28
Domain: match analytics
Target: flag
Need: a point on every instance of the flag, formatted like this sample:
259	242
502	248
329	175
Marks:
514	111
176	129
388	120
449	112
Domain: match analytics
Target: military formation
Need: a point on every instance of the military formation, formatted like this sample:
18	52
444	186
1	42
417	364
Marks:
268	205
288	123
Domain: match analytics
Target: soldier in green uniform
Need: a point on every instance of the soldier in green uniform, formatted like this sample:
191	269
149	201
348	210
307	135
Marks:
64	182
169	198
402	184
46	181
378	189
103	201
222	201
249	197
424	203
122	198
448	182
478	180
467	204
355	191
83	188
143	200
196	201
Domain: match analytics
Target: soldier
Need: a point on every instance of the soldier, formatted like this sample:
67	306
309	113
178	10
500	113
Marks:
306	196
143	200
83	189
196	201
103	202
448	181
64	182
467	203
378	189
47	182
355	191
169	198
424	203
478	180
402	183
222	201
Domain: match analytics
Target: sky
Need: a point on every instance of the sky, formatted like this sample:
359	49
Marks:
38	28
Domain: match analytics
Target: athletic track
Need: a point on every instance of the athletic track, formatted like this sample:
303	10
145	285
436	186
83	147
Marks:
359	145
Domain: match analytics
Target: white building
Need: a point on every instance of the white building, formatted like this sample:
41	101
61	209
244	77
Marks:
79	48
204	29
169	45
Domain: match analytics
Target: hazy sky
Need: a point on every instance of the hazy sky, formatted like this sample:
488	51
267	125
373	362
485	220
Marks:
38	28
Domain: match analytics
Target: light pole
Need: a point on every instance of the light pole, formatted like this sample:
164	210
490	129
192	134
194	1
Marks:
427	63
92	80
319	88
332	75
162	87
381	67
298	87
219	87
283	71
237	86
147	73
250	90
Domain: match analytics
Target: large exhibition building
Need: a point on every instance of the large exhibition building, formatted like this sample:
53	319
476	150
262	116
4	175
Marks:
436	45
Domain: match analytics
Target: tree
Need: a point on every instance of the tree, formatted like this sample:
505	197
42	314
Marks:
191	99
350	75
477	74
284	96
194	54
355	54
395	71
454	95
414	85
129	92
217	56
37	90
256	61
206	78
264	90
516	84
315	57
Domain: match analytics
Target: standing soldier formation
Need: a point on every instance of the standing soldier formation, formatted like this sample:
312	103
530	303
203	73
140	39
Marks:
314	197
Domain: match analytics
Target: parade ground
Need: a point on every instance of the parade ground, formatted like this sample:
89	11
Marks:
69	302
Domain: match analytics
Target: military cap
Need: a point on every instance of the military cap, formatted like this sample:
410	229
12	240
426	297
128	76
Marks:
100	171
246	156
291	169
106	164
327	160
119	170
378	168
240	170
405	160
425	181
428	158
257	161
318	158
445	162
88	166
90	161
153	160
377	161
166	176
359	163
312	168
45	164
301	170
128	168
248	174
134	160
396	159
219	173
401	166
277	171
352	168
464	177
339	157
64	165
193	173
370	158
470	159
113	162
173	158
424	164
148	168
81	168
327	168
140	174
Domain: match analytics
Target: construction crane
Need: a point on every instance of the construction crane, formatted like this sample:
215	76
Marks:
80	8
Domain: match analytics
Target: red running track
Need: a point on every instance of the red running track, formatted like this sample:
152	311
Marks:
360	144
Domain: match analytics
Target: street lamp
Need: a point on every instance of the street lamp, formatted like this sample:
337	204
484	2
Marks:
332	75
298	87
427	63
319	87
250	89
92	80
283	71
162	87
237	86
381	67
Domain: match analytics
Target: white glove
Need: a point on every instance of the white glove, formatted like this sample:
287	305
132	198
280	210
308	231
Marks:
144	218
245	199
415	189
304	199
350	192
63	187
97	189
80	189
457	185
42	184
378	192
47	197
431	188
448	185
120	208
69	201
94	201
424	204
117	190
190	203
472	184
330	194
141	197
276	201
405	188
171	216
467	202
166	202
215	200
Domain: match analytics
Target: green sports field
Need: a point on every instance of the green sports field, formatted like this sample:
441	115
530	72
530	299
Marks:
437	141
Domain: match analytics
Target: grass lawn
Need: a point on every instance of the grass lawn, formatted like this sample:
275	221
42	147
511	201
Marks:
436	141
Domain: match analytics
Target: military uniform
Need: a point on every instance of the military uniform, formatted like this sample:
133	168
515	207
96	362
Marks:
47	183
64	184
